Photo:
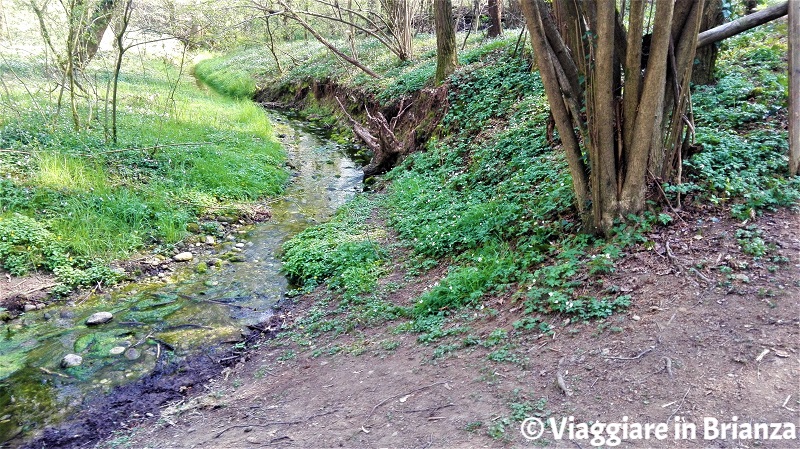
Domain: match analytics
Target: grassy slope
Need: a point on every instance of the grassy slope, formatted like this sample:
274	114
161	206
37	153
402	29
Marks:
490	200
71	201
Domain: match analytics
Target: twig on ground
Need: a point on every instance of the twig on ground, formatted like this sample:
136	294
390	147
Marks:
679	405
562	383
41	287
668	362
786	402
53	373
636	357
429	409
274	423
400	395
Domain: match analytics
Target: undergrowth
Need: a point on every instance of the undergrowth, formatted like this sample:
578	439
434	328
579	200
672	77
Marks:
741	126
72	201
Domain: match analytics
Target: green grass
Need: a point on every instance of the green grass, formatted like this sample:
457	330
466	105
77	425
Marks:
182	152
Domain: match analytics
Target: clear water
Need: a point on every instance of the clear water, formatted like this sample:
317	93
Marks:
194	313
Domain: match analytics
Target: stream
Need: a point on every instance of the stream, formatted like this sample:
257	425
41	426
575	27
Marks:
191	313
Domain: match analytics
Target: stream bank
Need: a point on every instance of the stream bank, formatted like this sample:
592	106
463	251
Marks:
178	327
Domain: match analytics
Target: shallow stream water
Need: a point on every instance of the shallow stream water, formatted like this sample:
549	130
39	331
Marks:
191	312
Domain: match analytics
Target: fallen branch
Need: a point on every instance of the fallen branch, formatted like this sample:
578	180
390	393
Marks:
560	381
274	423
745	23
668	366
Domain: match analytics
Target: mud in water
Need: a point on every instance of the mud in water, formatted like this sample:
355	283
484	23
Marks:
141	401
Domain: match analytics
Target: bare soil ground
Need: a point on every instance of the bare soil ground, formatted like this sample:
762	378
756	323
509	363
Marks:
697	342
18	291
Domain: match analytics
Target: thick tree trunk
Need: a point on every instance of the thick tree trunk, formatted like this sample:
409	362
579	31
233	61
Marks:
92	34
495	18
534	10
706	57
794	87
446	57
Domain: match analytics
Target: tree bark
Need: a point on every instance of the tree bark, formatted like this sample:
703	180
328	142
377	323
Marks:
93	32
495	18
446	57
745	23
794	87
632	198
400	14
706	57
547	61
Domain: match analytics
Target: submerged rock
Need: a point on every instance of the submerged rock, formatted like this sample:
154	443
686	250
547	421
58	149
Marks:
71	360
132	354
116	350
183	257
99	318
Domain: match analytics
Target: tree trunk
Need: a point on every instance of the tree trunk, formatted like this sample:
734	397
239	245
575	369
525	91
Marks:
706	57
620	126
92	34
495	18
446	57
400	14
794	87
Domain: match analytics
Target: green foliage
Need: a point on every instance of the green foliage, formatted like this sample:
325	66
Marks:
740	125
751	241
26	245
225	79
343	249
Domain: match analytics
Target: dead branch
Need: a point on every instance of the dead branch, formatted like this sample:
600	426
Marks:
400	395
636	357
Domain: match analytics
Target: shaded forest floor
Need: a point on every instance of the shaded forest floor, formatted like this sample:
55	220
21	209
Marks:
690	346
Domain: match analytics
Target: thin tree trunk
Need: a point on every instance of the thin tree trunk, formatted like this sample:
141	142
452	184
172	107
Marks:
794	87
650	106
446	57
271	44
547	61
601	120
633	71
119	36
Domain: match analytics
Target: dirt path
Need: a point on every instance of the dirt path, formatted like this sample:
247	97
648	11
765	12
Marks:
694	344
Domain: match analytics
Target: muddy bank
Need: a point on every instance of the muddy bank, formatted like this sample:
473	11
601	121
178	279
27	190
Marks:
141	402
